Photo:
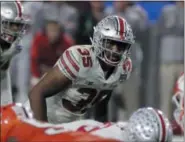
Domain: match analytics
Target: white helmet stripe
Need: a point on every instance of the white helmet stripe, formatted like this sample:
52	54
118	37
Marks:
118	25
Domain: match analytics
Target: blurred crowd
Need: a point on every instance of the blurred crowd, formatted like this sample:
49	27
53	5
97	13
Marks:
158	55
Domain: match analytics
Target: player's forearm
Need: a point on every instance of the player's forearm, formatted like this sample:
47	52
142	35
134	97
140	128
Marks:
37	97
101	111
6	56
38	105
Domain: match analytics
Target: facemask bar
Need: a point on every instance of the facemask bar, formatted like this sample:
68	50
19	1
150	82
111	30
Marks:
122	55
100	51
8	35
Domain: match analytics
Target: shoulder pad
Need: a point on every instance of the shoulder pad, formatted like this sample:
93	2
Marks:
74	61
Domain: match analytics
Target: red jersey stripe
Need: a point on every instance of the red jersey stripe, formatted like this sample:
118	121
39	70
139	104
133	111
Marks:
67	68
75	66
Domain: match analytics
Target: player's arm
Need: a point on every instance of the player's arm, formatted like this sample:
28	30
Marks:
7	55
56	80
101	115
52	83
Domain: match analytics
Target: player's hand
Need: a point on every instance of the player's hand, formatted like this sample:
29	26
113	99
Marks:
13	50
15	47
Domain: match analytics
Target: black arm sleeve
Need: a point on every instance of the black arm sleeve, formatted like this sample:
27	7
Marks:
101	110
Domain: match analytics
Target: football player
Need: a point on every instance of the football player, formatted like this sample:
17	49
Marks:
146	124
178	99
85	74
13	26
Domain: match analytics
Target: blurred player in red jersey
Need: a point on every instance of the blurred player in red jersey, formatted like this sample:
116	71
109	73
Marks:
47	46
146	124
178	99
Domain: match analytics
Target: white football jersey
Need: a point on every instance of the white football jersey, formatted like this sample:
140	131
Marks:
89	85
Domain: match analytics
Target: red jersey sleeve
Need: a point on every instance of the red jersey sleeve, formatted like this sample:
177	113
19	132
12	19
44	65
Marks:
35	48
